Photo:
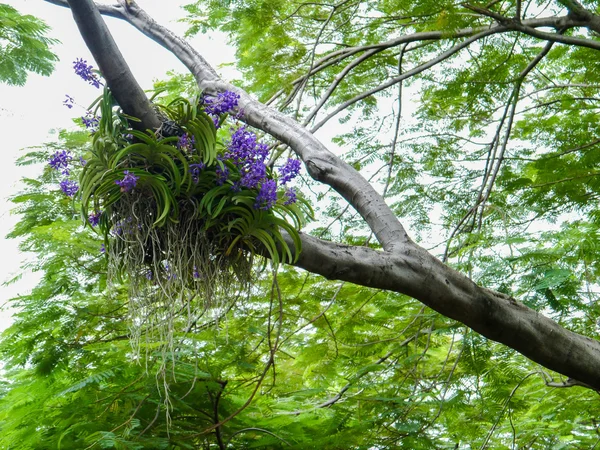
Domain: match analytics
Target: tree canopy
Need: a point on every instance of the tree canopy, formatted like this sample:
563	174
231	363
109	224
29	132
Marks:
472	125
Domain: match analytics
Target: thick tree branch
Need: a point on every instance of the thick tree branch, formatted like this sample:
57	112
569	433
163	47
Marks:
562	23
578	12
113	66
416	273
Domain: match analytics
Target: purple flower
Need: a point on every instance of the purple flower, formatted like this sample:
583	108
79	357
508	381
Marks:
82	161
102	249
267	195
149	275
186	143
289	171
117	229
225	102
196	274
85	71
249	155
60	161
195	171
222	174
68	102
94	218
290	195
69	187
128	182
90	121
244	147
261	151
253	174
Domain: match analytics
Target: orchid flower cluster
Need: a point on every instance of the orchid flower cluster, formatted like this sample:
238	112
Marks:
87	73
249	157
60	161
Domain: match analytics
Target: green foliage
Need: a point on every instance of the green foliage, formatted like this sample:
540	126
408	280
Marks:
353	367
298	361
492	163
24	46
465	182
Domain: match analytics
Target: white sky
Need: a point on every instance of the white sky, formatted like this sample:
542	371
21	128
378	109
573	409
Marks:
29	114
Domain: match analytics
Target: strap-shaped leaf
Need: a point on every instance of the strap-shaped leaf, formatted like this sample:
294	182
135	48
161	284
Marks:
141	149
267	241
295	238
217	210
207	201
144	137
205	140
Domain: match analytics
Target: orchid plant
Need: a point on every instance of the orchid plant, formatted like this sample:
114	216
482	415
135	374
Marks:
183	214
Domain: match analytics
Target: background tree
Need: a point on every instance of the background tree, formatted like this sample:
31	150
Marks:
24	46
355	367
504	136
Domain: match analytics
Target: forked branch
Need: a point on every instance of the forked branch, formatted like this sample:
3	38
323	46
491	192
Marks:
403	266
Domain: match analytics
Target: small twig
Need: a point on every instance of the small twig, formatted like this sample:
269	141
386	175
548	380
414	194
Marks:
124	423
318	316
569	382
216	418
256	429
152	421
486	12
342	391
397	126
506	403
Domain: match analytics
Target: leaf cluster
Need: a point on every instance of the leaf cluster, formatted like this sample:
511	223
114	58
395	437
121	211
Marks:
24	46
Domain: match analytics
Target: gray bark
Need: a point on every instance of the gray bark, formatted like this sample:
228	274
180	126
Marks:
113	66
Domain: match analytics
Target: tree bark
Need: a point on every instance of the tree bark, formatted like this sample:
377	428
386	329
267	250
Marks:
114	68
402	266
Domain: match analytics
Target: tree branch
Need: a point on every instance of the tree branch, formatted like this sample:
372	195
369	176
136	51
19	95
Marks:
578	12
580	18
113	66
409	73
418	274
426	36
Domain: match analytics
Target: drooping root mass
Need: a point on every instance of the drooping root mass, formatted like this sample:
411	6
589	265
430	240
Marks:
176	273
